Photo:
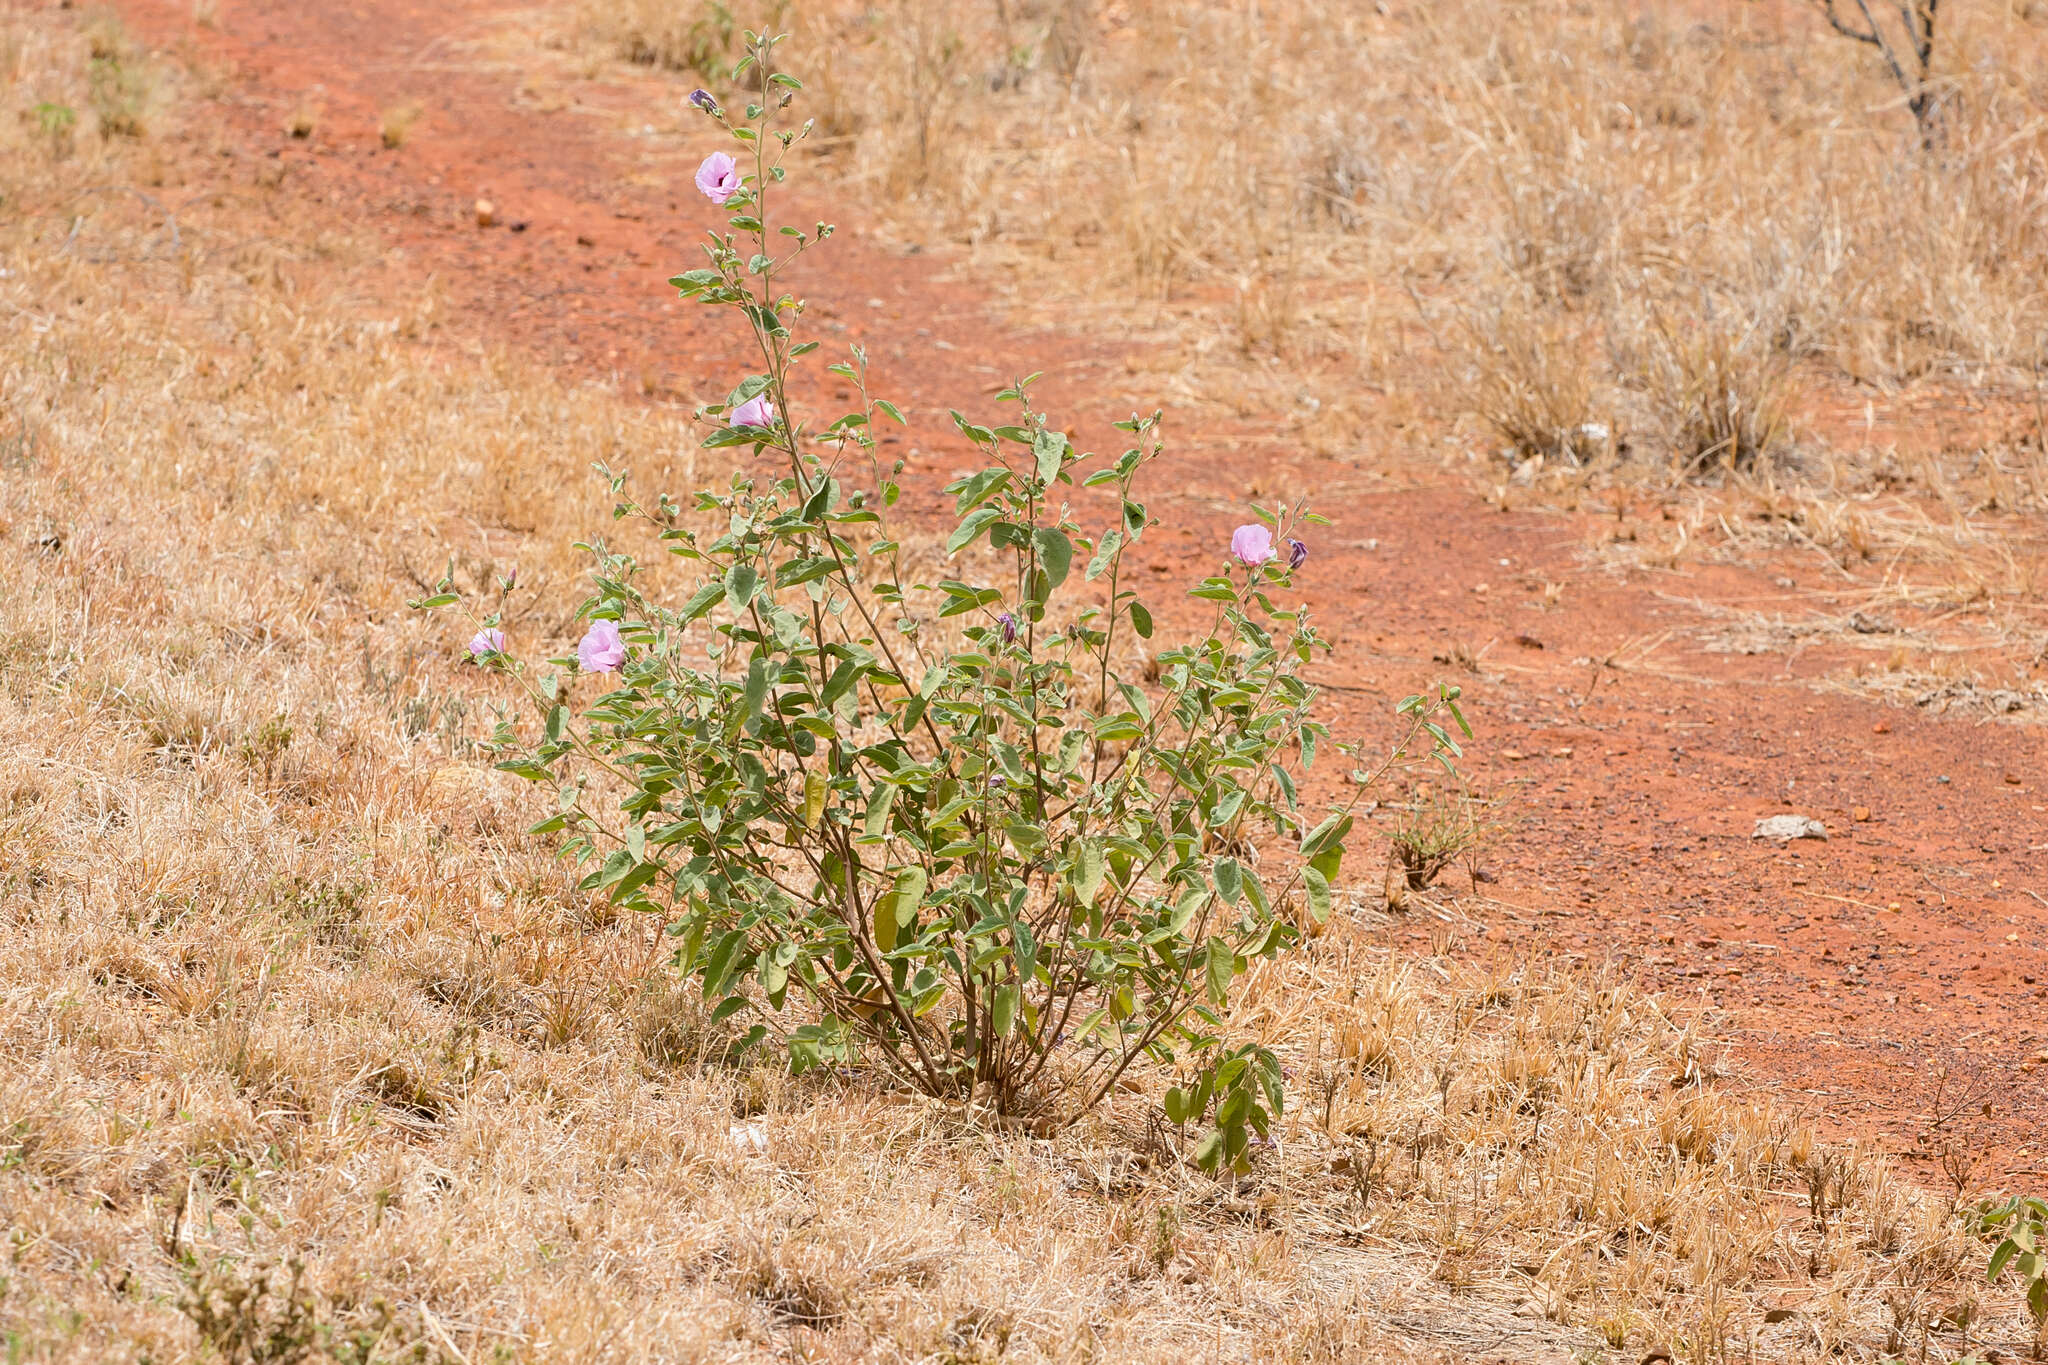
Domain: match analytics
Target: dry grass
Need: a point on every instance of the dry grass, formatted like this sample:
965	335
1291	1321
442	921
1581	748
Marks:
1326	188
395	125
308	1052
1606	244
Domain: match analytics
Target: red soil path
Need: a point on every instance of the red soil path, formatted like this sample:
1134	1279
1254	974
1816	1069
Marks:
1848	972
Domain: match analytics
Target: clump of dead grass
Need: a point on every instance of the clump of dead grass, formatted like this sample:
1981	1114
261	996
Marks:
1537	391
699	40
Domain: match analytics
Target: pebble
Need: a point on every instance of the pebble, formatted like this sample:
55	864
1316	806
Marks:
1785	828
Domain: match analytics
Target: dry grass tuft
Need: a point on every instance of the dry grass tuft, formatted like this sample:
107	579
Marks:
394	126
1537	391
1721	392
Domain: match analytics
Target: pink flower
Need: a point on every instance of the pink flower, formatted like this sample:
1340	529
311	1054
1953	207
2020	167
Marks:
719	177
755	412
602	651
1252	544
487	641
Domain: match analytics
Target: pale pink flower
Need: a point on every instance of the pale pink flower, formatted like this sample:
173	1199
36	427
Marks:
490	640
755	412
1252	544
719	177
602	651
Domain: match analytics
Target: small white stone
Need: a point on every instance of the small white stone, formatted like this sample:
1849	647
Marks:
1785	828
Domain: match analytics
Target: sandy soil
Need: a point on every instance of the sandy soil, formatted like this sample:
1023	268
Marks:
1634	723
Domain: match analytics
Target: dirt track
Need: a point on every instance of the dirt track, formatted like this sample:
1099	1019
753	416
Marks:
1849	970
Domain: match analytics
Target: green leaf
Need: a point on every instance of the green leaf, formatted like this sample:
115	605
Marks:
1027	949
1086	874
978	488
842	681
723	957
1229	880
1222	966
740	582
876	826
961	598
800	571
971	526
1104	553
701	600
1178	1106
439	599
815	789
898	906
1049	447
1328	833
1005	1009
641	874
1318	894
615	867
757	686
1326	863
1141	620
735	436
1268	1070
1055	553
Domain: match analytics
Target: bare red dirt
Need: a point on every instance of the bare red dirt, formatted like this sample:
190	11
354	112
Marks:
1629	760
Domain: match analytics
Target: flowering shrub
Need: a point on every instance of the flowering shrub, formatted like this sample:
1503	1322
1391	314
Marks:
940	827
